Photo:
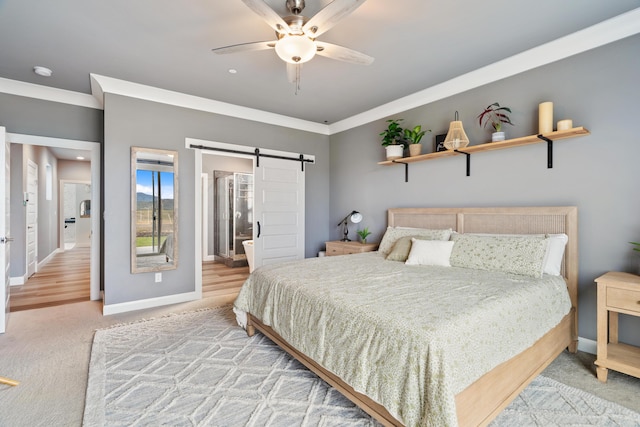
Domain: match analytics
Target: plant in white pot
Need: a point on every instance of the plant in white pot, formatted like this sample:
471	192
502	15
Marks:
393	139
413	137
495	115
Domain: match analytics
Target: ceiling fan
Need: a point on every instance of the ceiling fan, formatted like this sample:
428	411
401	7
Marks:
297	35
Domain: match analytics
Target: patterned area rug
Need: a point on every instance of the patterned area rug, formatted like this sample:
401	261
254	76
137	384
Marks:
201	369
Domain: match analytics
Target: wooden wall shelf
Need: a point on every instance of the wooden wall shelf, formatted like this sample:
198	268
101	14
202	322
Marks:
509	143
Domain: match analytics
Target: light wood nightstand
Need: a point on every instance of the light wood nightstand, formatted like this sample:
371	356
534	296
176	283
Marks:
338	247
617	293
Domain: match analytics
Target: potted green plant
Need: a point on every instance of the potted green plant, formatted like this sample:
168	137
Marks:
413	137
393	139
495	115
363	234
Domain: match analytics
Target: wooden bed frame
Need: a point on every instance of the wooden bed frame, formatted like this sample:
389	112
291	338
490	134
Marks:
483	400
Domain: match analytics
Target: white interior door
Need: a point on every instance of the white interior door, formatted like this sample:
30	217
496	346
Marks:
278	230
4	229
32	217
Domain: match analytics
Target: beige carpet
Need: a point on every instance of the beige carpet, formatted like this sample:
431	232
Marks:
48	350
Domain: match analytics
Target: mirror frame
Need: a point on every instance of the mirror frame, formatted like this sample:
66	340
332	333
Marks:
135	268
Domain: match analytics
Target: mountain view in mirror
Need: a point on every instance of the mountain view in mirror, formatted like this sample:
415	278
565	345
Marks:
154	210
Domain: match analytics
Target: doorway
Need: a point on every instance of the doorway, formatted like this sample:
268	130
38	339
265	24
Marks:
75	214
278	204
90	150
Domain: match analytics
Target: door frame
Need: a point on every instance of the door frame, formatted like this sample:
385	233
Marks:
5	230
95	148
229	150
205	214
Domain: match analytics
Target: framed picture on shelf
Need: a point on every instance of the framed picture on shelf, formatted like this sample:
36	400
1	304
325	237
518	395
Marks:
438	145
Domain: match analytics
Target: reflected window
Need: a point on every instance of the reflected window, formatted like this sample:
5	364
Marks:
154	213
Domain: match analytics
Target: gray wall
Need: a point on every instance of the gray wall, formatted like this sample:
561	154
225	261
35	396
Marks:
132	122
598	173
18	215
47	209
43	118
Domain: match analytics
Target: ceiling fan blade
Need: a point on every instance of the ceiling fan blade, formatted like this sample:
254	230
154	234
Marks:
341	53
329	16
244	47
274	20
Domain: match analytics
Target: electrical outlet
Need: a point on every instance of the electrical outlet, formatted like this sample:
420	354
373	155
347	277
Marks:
158	277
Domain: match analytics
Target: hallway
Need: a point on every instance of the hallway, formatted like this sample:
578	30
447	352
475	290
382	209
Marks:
65	280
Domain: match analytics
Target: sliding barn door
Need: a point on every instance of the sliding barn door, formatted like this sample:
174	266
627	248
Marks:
278	226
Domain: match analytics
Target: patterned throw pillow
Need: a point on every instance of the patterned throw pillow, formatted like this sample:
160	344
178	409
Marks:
394	233
518	255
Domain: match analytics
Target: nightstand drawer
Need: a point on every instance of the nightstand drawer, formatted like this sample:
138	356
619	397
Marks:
334	250
345	248
624	299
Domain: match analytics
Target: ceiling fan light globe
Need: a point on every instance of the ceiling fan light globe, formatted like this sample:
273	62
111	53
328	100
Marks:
295	49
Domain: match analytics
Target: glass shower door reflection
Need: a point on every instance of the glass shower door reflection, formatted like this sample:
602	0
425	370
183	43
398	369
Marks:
233	213
222	216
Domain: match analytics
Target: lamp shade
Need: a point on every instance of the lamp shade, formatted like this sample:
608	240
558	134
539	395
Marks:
456	137
356	217
295	49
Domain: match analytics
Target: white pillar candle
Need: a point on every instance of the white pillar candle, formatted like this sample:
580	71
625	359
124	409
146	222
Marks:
545	117
565	124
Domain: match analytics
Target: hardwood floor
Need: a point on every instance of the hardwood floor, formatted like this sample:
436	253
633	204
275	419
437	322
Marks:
65	280
218	280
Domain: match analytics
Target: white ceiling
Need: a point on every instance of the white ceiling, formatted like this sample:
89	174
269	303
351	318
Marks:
167	44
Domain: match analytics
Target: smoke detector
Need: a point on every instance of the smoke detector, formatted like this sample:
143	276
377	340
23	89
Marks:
42	71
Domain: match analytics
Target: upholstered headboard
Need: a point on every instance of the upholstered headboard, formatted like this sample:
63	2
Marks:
516	220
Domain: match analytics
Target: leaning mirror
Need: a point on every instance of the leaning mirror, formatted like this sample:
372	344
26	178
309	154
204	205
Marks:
154	210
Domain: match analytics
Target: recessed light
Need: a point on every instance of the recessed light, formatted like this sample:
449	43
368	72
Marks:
42	71
233	71
80	158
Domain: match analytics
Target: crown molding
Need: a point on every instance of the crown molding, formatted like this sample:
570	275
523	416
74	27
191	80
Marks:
102	84
46	93
605	32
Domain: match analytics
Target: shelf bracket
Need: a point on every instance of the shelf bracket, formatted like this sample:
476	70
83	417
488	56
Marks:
406	169
468	161
549	150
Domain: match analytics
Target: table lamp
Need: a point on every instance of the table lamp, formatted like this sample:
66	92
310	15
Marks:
355	217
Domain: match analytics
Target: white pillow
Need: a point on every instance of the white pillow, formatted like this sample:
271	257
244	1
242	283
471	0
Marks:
430	252
555	251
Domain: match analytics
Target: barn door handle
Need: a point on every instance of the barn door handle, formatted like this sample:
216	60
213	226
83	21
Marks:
258	230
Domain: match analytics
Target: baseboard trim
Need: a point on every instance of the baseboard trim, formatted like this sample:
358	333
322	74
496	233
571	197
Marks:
48	258
17	281
125	307
587	345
